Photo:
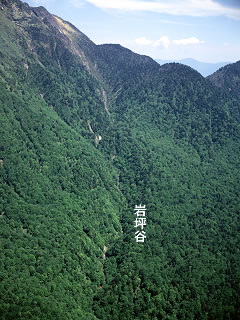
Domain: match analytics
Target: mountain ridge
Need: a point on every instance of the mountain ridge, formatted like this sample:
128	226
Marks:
227	78
87	133
205	68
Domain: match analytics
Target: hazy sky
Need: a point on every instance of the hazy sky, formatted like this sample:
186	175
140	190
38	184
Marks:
206	30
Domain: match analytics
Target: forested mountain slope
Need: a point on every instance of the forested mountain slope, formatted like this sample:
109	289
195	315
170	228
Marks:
60	201
87	133
228	78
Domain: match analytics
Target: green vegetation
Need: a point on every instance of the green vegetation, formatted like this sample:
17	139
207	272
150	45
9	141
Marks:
169	140
227	78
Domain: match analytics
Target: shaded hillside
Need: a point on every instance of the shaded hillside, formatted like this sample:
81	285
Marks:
120	66
87	133
228	78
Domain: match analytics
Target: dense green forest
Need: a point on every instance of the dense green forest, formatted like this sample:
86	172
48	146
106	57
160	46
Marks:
87	132
228	79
